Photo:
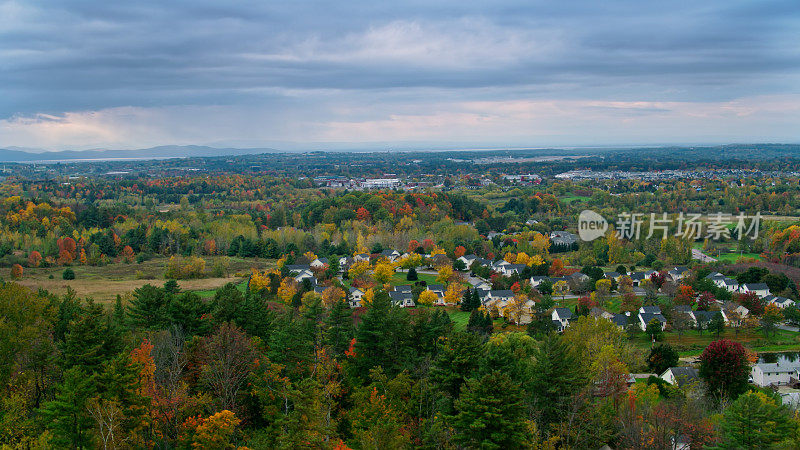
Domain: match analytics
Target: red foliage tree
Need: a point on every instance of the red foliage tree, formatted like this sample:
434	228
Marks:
460	251
658	279
556	268
16	271
413	245
685	295
34	259
724	366
585	305
362	213
705	300
752	302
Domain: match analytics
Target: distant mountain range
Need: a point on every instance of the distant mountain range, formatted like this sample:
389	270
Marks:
166	151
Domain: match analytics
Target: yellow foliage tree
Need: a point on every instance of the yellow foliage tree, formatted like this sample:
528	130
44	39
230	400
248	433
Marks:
361	244
357	269
332	295
368	297
427	298
453	293
523	258
540	244
411	260
437	251
383	272
258	281
560	288
310	256
287	290
445	273
535	260
218	431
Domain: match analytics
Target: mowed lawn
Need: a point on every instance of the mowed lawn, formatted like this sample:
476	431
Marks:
692	343
103	283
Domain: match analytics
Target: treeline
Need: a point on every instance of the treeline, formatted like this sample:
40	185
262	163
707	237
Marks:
168	369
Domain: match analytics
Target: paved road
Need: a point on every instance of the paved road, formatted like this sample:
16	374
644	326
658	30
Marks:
697	254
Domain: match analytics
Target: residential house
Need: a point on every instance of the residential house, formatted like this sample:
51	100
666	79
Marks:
774	374
361	257
729	284
562	316
297	268
734	313
510	269
578	277
678	273
562	238
612	275
468	260
680	376
760	289
621	320
648	313
483	285
354	297
319	263
780	302
536	280
638	277
391	255
402	299
600	313
305	274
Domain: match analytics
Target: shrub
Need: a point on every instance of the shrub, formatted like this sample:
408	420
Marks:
68	274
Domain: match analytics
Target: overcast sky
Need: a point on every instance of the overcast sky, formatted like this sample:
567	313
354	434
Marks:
366	74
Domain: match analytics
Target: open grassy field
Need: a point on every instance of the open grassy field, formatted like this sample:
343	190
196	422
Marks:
692	343
103	283
574	198
399	279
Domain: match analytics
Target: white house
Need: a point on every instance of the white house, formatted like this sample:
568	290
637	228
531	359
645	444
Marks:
468	260
361	257
402	299
678	273
355	297
680	375
780	302
319	263
303	274
767	374
760	289
648	313
729	284
391	255
510	269
562	316
483	285
536	280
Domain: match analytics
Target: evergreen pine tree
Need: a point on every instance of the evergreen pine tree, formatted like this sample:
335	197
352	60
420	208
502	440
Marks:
85	341
148	308
66	416
412	274
557	375
466	301
491	414
339	328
